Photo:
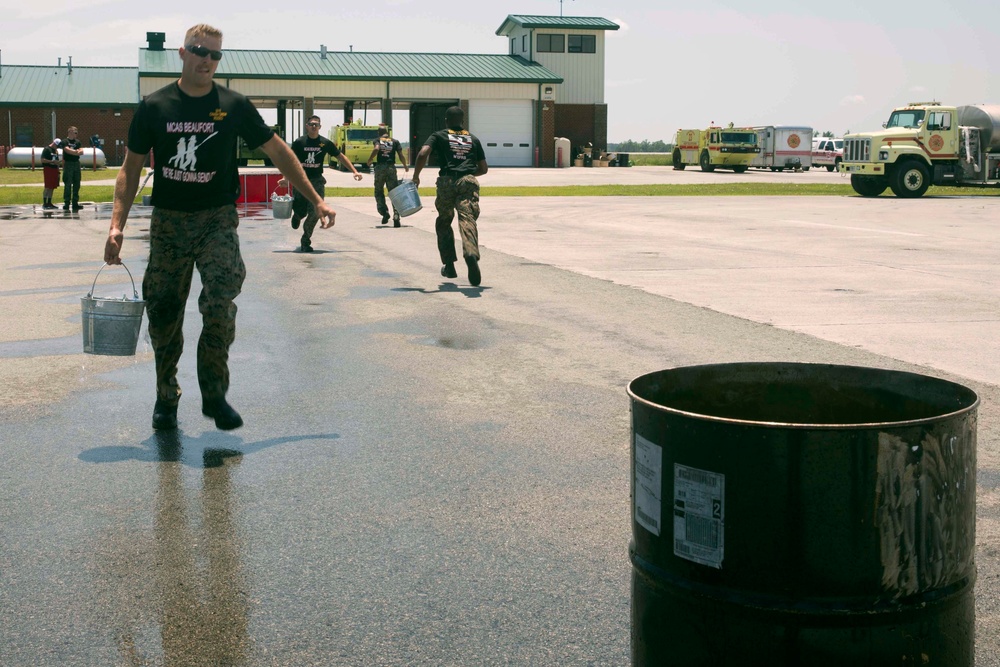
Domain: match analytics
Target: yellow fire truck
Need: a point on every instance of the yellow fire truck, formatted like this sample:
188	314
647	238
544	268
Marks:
355	141
726	147
925	143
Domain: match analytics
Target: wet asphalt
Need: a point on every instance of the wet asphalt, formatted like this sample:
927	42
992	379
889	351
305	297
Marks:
430	473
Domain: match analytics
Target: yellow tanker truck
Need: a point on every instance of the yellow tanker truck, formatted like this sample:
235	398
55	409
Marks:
923	144
725	147
355	141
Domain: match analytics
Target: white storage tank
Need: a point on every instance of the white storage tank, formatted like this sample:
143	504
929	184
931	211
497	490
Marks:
23	158
564	156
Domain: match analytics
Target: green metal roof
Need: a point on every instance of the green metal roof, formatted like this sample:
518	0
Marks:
32	85
358	66
557	22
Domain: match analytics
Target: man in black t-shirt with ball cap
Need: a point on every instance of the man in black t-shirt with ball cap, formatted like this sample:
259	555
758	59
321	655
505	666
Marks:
311	149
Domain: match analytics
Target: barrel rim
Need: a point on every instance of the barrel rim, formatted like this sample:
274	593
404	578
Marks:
804	425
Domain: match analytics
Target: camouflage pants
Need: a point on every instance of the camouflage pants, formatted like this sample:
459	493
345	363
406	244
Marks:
71	181
303	208
178	242
385	177
461	195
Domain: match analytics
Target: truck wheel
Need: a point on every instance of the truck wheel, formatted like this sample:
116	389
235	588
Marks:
868	186
830	167
705	162
740	168
909	179
678	165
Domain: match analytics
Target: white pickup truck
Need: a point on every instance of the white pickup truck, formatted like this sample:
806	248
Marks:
827	152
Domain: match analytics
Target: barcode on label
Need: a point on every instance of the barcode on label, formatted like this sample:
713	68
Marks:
703	532
698	476
648	521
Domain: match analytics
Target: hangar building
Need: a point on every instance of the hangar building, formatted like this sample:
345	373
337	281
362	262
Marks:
549	84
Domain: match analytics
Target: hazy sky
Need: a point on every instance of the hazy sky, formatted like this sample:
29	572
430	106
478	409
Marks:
835	66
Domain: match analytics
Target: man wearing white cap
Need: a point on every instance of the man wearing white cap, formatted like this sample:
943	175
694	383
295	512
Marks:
50	171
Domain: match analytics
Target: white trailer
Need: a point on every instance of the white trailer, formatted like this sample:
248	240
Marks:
784	147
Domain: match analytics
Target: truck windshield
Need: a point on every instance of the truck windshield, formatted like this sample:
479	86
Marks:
739	138
908	118
366	136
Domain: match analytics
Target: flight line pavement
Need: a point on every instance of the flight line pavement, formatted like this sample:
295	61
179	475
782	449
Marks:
911	282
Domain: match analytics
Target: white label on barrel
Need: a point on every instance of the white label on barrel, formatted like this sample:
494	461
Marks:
648	484
699	515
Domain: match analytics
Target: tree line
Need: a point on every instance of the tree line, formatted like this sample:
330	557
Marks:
644	146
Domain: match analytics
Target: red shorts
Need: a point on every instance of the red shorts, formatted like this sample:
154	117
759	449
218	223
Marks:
51	177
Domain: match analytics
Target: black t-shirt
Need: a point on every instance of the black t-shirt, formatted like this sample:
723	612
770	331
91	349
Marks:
387	151
310	153
49	153
193	140
457	151
75	145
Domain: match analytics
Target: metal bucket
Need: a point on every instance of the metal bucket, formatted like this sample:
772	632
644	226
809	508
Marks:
405	198
111	326
281	206
802	514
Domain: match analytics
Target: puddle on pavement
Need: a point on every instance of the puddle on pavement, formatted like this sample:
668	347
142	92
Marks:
453	342
102	211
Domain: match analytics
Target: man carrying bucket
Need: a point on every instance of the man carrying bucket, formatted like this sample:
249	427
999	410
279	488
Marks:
461	158
384	153
192	126
311	151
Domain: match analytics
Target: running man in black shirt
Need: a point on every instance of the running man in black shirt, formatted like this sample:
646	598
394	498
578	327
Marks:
384	153
311	151
192	126
461	158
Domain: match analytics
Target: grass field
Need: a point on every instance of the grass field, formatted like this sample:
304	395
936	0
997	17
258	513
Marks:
15	194
27	176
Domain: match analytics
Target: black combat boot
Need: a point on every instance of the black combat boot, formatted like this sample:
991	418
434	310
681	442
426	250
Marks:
164	415
226	418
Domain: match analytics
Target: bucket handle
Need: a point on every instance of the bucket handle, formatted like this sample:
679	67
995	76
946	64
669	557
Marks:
135	294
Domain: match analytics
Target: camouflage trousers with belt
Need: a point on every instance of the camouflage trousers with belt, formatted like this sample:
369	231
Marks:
457	195
179	241
385	177
303	209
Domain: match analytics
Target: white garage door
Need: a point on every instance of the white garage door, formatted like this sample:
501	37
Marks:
504	128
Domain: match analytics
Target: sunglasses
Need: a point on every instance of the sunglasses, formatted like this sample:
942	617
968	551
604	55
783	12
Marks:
313	124
202	51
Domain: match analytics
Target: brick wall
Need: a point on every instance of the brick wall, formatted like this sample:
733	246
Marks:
547	154
583	123
89	121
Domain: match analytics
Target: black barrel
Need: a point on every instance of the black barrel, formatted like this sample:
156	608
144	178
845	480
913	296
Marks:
802	514
624	160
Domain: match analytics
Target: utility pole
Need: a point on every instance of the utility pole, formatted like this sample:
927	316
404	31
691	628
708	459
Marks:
560	8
